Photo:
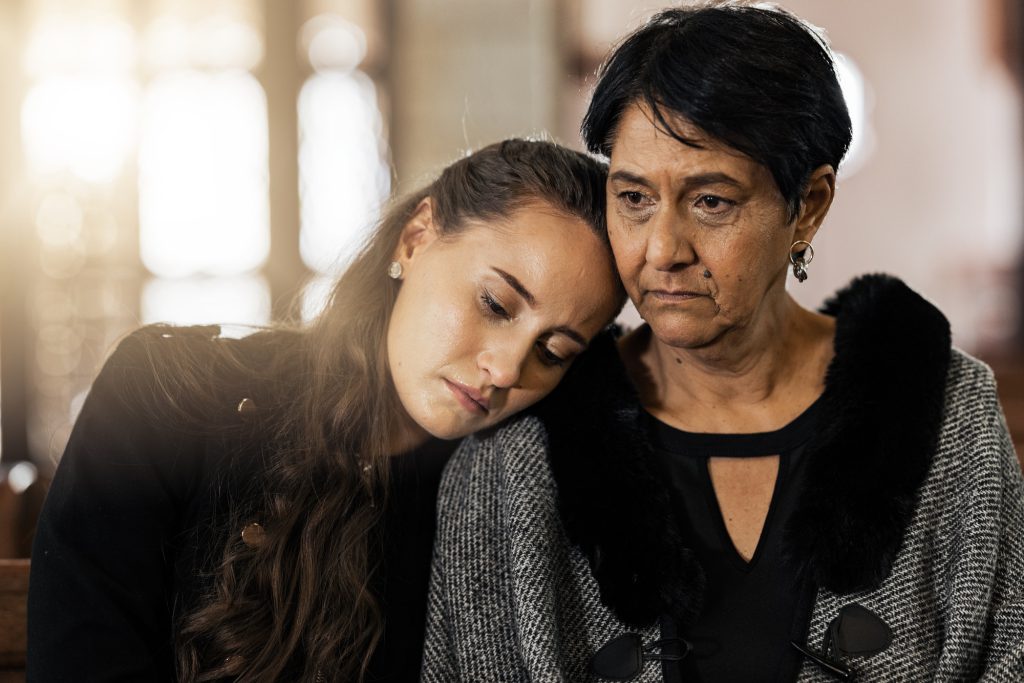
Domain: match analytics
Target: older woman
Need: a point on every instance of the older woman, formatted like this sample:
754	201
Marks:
748	490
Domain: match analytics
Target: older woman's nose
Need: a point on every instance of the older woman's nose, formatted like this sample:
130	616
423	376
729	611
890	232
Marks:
668	243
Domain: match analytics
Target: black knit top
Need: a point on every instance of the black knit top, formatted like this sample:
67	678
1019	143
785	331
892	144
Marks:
752	610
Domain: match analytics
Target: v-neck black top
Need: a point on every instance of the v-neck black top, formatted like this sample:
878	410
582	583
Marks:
752	610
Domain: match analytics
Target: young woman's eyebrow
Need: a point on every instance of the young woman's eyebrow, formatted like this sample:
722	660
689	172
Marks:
515	284
571	334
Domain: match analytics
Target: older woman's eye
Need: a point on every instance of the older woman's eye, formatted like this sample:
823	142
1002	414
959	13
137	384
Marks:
634	199
713	204
635	205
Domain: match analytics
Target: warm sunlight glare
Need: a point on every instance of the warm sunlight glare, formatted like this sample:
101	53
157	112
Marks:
85	125
232	301
203	188
80	112
343	172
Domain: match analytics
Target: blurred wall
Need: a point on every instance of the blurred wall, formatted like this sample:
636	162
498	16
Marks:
467	73
938	199
934	195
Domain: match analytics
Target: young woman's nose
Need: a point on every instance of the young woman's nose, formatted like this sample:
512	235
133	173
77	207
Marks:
668	242
503	363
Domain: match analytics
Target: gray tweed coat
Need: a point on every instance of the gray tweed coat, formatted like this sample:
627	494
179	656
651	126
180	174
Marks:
556	533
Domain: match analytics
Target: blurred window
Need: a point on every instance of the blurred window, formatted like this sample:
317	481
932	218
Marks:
344	177
147	146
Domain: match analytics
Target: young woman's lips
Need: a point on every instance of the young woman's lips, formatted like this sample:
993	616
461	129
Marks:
468	398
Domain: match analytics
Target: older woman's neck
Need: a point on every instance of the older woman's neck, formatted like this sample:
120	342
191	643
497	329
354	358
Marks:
754	378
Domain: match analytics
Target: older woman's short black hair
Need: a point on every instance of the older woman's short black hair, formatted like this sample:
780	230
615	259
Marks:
756	78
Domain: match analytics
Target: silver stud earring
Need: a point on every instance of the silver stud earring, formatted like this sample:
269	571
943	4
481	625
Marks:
395	270
801	253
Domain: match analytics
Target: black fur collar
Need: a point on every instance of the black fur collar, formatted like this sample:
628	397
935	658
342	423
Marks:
880	419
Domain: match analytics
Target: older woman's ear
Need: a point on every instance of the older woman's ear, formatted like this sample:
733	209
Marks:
815	203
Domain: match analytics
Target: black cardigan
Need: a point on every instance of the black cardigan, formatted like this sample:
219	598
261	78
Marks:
130	529
118	538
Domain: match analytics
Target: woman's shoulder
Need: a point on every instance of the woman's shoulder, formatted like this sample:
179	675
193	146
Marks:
971	396
967	373
974	443
168	402
191	375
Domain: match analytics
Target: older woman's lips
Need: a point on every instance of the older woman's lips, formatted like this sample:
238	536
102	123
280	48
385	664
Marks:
469	398
674	295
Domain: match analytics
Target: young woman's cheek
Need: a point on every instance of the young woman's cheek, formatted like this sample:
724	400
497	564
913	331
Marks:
455	327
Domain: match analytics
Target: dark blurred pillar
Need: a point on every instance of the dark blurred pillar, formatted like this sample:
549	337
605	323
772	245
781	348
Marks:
281	75
15	351
1008	18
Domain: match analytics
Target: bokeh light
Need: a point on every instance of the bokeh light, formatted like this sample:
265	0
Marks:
315	294
84	125
333	43
203	176
86	43
344	176
242	301
219	41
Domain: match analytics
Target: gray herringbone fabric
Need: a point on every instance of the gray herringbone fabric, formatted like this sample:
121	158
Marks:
512	600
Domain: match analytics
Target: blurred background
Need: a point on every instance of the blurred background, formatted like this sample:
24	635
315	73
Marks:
198	161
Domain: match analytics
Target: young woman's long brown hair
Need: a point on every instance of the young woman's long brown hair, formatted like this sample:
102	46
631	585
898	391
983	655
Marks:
299	604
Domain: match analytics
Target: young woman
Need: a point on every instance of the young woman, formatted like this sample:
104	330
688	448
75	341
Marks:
233	509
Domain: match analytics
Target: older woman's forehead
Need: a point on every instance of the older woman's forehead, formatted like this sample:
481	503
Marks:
641	144
639	126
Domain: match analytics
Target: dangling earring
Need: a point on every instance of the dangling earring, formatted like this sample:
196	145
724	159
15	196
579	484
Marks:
800	257
395	270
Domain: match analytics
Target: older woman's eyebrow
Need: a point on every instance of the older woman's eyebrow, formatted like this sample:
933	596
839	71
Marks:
714	178
698	180
627	177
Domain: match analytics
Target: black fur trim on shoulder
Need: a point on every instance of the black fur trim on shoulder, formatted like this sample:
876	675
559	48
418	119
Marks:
614	505
878	430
